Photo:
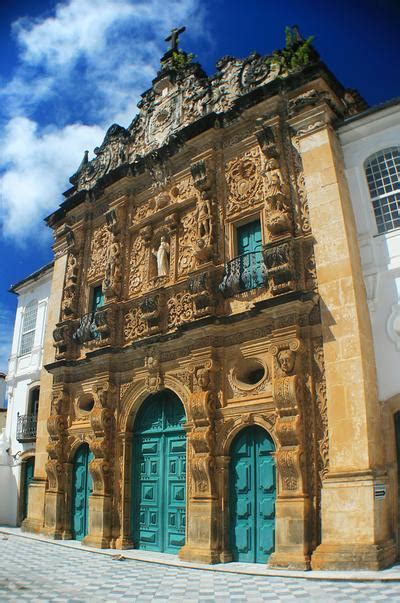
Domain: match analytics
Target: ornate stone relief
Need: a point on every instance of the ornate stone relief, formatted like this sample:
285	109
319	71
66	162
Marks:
112	278
138	262
99	246
280	265
244	180
135	325
180	309
102	421
322	420
155	375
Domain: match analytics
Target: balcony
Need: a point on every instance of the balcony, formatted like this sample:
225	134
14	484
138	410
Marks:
92	326
26	428
243	273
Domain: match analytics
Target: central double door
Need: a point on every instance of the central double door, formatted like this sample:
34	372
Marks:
159	475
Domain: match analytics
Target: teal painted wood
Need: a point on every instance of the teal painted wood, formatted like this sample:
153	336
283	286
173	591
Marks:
82	487
28	477
159	475
252	496
249	241
98	298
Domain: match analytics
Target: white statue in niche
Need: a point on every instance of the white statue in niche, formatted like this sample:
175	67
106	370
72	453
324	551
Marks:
162	255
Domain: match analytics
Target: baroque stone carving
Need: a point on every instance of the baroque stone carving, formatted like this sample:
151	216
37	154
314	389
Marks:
243	177
135	325
279	262
138	260
100	243
320	387
179	309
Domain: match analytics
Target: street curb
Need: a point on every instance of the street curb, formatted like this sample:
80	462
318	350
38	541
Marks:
262	571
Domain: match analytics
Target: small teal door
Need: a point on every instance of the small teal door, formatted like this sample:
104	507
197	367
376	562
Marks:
82	487
159	475
98	298
249	243
29	467
252	496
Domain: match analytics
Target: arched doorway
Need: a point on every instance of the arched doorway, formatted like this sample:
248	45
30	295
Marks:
159	474
28	471
81	490
252	496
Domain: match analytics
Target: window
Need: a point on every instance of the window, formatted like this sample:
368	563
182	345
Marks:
28	328
33	404
383	176
97	298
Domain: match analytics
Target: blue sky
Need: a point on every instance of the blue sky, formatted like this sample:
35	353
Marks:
70	69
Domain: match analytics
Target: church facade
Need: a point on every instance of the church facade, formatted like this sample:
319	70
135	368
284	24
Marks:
209	386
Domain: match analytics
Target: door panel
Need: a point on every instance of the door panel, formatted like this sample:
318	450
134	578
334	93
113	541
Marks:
249	244
28	477
252	496
82	487
159	475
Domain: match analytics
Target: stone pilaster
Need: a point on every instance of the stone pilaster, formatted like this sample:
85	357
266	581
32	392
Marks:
355	526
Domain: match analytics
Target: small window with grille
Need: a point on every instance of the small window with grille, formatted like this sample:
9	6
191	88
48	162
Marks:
383	176
28	328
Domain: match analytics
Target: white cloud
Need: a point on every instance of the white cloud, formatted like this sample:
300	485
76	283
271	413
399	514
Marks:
88	61
36	167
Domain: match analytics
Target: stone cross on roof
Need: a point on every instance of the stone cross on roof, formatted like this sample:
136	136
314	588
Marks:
174	37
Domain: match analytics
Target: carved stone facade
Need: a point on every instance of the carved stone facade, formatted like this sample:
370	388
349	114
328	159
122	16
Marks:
157	215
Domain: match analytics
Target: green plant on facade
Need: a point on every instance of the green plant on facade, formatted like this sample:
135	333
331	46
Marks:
181	60
296	54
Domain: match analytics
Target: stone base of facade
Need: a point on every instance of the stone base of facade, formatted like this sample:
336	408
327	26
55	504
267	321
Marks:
124	543
289	561
354	556
199	555
96	542
32	525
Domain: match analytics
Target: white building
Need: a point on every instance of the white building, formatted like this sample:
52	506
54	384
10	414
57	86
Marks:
2	390
17	441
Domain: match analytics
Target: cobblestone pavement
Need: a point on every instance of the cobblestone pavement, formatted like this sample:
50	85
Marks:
41	571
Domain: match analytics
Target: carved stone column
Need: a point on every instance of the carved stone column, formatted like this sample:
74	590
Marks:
202	525
101	467
124	541
292	547
57	423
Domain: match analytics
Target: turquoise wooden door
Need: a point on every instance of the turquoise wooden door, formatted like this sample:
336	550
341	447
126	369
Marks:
28	477
98	298
249	243
159	475
82	487
252	496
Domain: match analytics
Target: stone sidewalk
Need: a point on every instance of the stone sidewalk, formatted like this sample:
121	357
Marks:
39	571
391	574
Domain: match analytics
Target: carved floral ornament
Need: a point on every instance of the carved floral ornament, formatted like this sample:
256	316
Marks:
243	176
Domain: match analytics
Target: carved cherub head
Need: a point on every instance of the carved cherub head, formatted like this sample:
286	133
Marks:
286	359
203	377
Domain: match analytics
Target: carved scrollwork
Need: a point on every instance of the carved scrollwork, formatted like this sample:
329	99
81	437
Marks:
280	266
135	326
288	464
245	186
100	243
137	263
180	309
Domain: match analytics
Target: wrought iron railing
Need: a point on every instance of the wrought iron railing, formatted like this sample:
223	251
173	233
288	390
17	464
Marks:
243	273
91	326
26	428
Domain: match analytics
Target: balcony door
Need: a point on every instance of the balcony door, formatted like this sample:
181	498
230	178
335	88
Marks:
249	246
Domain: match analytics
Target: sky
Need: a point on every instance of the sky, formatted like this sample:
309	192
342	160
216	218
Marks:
70	69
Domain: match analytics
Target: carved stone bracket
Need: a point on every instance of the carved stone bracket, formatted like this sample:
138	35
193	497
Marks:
152	312
202	287
280	266
155	374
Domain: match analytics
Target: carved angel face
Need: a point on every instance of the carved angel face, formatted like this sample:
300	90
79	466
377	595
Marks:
286	359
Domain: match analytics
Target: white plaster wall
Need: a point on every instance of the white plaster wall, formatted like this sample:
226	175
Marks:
380	253
23	374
